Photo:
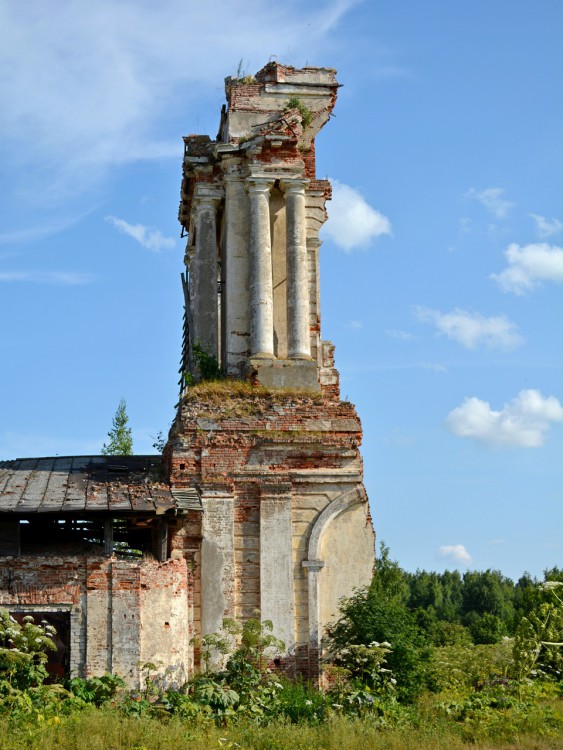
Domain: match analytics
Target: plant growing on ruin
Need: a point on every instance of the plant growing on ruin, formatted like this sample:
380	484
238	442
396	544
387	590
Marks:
120	438
241	76
306	114
208	365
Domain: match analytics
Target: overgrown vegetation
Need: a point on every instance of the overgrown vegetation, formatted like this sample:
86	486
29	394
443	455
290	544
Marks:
208	364
242	76
393	679
220	392
296	103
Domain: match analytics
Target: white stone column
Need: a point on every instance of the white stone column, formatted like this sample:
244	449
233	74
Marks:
205	312
236	280
313	568
217	561
276	561
261	293
298	334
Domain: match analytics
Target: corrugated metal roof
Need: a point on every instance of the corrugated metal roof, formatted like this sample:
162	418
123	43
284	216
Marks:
71	484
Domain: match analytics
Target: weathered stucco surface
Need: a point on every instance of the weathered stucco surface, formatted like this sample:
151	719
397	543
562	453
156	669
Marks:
122	613
291	468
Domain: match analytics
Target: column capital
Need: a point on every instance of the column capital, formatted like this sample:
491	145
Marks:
261	185
230	177
208	195
313	566
206	202
293	186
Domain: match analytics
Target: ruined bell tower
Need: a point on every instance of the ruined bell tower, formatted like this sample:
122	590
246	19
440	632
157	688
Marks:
280	523
252	208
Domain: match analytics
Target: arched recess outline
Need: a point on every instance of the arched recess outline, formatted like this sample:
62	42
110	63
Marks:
314	564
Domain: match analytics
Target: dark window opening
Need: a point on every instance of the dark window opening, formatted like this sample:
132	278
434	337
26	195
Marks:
48	535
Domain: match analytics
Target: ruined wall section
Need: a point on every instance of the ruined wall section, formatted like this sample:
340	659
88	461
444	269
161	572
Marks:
262	162
123	613
284	460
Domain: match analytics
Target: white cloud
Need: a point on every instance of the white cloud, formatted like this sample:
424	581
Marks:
523	422
546	228
64	278
456	553
472	329
528	266
152	239
89	85
352	222
492	199
355	325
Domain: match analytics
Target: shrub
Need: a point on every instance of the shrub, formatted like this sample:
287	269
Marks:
96	690
366	619
207	363
23	652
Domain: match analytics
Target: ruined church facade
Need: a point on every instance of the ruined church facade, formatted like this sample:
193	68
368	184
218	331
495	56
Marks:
257	507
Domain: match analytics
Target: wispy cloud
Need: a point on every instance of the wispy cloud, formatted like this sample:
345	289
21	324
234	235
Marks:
464	225
472	329
152	239
46	229
394	333
29	234
529	266
88	90
492	199
62	278
354	325
431	366
399	439
456	553
523	422
546	228
352	222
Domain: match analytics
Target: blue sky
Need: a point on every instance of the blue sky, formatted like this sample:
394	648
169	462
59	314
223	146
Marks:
441	267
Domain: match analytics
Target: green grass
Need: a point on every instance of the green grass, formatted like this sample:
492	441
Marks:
227	390
106	729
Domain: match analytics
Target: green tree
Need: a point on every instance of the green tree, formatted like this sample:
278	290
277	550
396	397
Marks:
390	581
379	613
487	593
120	439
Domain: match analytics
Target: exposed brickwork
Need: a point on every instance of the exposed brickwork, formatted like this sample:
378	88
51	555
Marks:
256	449
111	601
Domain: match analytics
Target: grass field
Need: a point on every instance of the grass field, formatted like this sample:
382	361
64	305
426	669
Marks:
107	729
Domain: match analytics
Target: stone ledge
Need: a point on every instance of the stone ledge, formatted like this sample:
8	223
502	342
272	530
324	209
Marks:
284	373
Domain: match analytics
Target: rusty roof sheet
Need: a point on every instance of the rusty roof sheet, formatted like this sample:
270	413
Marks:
78	484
